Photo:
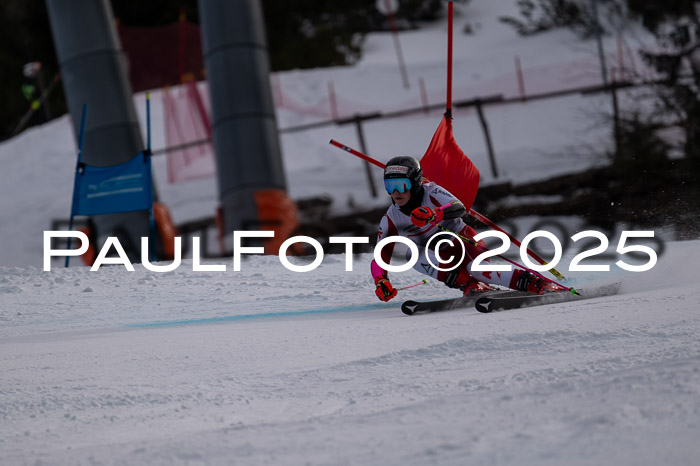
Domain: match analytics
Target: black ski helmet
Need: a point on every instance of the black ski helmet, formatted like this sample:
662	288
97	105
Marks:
405	166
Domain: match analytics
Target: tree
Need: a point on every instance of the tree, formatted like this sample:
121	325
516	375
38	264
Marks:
676	26
543	15
26	37
319	33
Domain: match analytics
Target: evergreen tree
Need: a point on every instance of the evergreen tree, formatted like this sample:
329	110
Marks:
25	35
676	26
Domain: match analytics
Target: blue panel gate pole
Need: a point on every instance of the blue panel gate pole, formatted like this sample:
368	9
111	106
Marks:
77	173
151	220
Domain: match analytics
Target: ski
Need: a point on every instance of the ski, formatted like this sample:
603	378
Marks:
501	303
416	307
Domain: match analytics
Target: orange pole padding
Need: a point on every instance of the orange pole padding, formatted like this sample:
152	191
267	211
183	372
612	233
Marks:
166	230
276	212
91	254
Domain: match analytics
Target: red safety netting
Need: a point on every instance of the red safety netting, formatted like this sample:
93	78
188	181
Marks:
162	56
186	115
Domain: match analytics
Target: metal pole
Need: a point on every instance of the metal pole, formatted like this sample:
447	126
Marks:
616	118
599	39
244	129
81	138
487	137
363	147
397	45
42	91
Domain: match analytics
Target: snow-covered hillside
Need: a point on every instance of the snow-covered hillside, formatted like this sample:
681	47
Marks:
268	366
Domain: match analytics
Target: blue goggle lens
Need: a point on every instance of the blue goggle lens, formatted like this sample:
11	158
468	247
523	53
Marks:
397	184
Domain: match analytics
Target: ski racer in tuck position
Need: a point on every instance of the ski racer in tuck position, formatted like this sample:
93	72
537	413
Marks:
418	208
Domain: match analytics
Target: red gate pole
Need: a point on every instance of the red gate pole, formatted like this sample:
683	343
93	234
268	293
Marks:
450	15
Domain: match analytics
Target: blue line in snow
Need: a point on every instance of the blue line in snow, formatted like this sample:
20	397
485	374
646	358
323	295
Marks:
266	315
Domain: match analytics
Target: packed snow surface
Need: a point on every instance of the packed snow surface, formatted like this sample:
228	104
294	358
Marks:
269	366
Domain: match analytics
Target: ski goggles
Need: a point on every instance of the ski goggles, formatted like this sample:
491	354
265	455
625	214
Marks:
397	184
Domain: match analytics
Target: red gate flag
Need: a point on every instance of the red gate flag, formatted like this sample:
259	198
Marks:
446	164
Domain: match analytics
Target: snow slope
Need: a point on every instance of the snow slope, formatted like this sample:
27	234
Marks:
267	366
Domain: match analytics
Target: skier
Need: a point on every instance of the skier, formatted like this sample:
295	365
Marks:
418	207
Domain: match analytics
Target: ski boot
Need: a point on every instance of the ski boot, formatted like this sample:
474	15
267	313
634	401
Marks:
462	280
533	284
474	287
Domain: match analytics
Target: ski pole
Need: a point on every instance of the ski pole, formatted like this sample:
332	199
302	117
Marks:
472	212
475	243
424	282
